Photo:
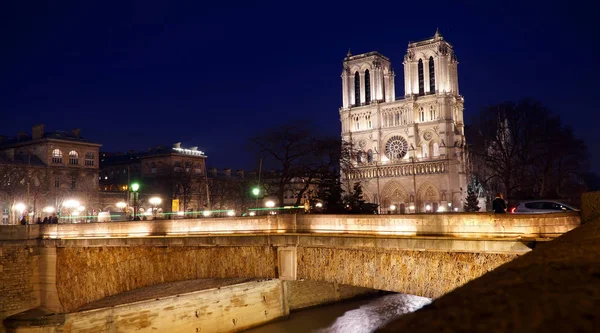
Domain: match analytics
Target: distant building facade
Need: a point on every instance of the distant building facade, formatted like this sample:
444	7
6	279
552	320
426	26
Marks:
411	155
44	170
174	174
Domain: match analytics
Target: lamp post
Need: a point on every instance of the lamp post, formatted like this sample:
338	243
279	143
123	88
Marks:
155	201
135	187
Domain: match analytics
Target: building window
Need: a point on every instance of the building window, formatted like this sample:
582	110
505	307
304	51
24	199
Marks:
367	87
57	182
356	123
359	157
57	156
153	167
421	79
421	114
188	166
436	149
89	159
370	156
73	157
432	112
369	123
431	76
73	182
356	88
425	151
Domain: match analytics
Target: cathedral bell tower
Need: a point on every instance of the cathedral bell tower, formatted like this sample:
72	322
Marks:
366	78
430	67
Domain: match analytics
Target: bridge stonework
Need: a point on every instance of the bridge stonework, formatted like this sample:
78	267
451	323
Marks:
74	264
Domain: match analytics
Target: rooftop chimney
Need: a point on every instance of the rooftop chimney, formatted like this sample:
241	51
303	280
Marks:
37	131
177	145
240	173
227	172
194	148
76	132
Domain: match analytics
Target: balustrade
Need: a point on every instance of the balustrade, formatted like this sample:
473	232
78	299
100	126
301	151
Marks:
399	170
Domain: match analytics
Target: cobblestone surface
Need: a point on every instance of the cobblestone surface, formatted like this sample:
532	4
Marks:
162	290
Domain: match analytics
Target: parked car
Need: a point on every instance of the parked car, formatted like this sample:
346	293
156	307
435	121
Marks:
541	207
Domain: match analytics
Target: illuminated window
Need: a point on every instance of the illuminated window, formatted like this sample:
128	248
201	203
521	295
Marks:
73	157
367	87
57	182
421	79
89	159
356	88
431	76
57	156
153	167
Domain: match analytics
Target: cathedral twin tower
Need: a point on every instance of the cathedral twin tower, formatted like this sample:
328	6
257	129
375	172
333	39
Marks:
410	151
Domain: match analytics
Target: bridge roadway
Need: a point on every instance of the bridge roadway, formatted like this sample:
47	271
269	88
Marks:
70	265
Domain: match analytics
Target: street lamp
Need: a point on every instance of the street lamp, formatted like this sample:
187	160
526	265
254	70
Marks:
270	204
230	213
121	205
256	191
428	208
71	203
319	205
393	208
155	201
135	187
19	208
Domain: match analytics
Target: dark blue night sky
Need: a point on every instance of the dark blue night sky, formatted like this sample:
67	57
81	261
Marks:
141	74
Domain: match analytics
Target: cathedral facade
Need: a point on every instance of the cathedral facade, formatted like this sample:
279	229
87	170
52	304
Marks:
409	152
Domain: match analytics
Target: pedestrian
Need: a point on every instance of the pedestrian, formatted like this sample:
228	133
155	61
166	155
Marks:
39	220
499	205
45	221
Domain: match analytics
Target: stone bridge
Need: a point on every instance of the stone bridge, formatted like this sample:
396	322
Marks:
63	267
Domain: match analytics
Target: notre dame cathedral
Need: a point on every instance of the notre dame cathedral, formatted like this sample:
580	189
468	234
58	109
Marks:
410	151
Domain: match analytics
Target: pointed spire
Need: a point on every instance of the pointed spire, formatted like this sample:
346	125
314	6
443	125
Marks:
437	33
349	54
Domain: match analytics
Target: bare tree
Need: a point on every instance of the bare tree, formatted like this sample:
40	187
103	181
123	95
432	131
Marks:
523	150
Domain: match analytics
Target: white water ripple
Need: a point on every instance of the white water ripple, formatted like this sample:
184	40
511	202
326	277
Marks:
372	316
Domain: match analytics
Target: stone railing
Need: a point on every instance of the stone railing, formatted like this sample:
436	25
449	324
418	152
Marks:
397	170
463	225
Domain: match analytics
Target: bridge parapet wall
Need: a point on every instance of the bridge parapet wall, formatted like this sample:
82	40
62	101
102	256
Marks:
455	225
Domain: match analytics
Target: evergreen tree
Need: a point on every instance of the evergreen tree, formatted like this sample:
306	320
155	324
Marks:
472	203
331	194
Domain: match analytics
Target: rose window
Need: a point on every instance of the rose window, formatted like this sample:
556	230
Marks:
396	148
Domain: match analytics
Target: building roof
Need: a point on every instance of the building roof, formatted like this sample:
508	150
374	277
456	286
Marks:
108	158
56	135
351	57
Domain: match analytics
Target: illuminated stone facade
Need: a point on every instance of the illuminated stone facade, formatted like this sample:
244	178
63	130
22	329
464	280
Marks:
45	169
411	154
174	174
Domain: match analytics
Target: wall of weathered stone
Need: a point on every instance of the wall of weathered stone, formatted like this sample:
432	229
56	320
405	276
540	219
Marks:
303	294
429	274
18	276
89	274
226	309
590	206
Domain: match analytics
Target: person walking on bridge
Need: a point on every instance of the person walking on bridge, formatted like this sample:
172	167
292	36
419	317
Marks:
499	205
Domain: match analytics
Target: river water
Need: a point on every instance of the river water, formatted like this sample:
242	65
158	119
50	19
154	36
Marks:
357	316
